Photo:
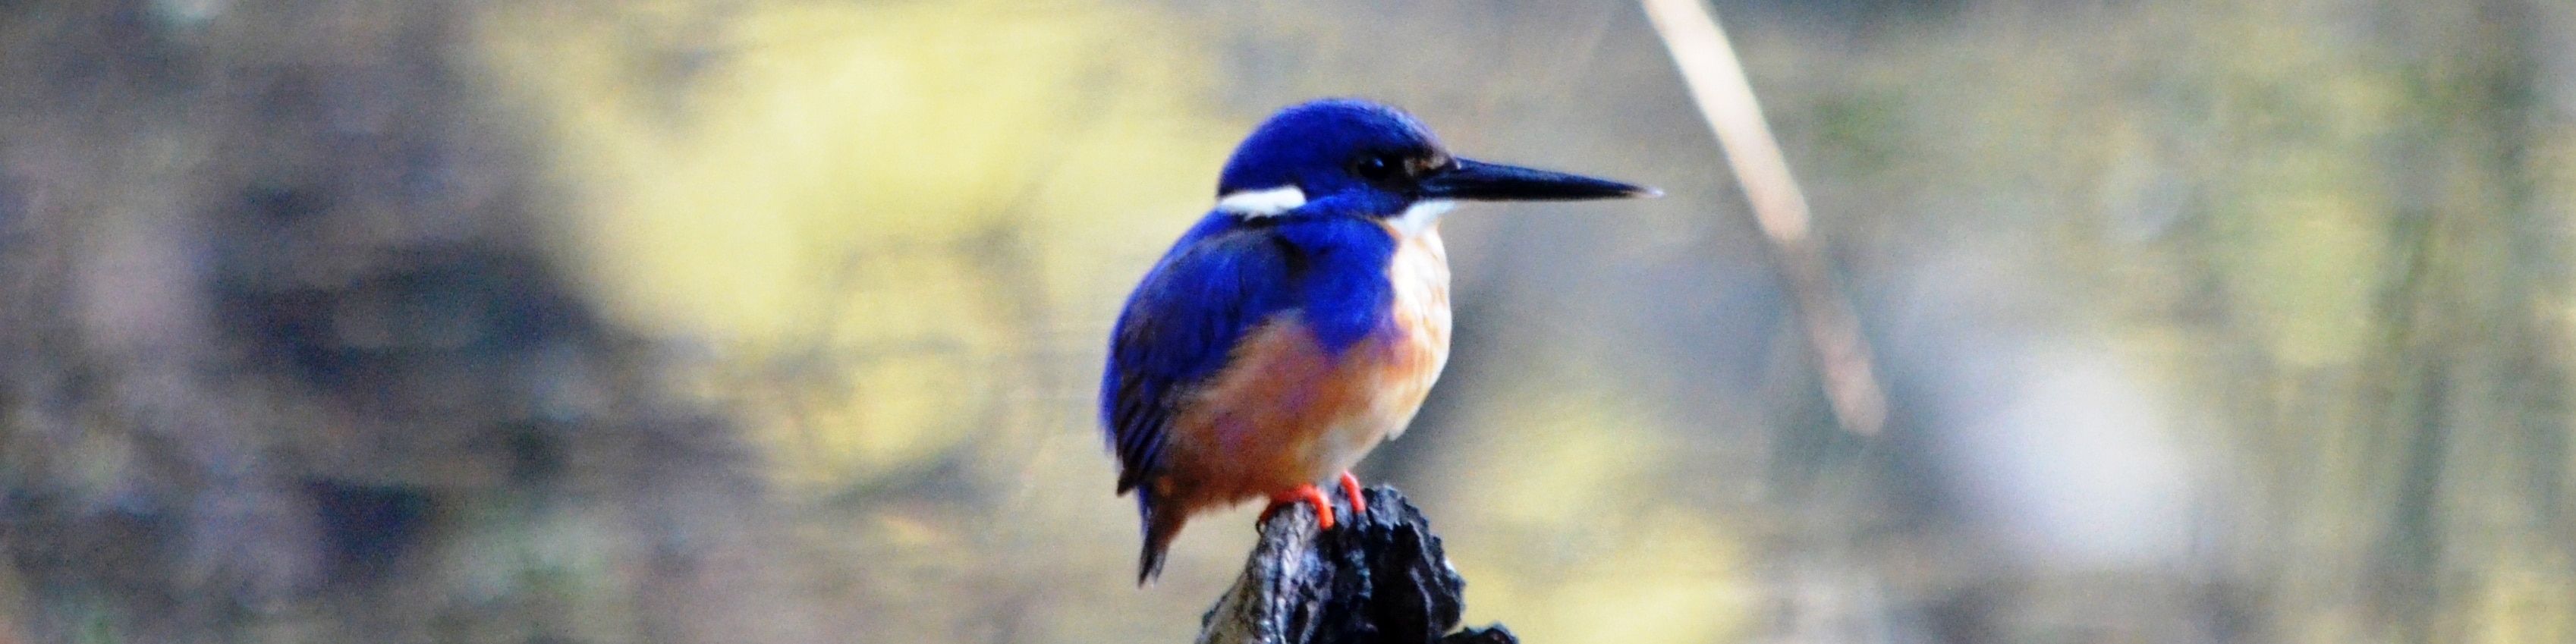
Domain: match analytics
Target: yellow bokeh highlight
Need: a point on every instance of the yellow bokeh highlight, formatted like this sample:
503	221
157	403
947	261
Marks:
1582	545
2520	601
869	214
2311	264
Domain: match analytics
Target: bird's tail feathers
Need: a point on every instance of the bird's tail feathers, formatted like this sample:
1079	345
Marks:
1160	525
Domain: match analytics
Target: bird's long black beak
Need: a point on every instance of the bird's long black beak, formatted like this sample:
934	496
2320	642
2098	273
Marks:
1481	181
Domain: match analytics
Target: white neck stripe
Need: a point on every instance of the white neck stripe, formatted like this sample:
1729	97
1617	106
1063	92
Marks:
1262	203
1421	215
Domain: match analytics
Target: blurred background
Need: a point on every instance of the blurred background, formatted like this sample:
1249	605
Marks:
572	321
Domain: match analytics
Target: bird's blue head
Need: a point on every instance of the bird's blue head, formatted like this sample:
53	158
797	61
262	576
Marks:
1380	162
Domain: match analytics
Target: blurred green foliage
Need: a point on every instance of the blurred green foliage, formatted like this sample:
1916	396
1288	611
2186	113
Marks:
778	320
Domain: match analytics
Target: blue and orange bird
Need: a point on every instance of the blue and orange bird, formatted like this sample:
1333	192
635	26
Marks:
1302	321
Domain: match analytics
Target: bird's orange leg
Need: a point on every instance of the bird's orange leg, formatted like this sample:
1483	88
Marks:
1351	488
1310	495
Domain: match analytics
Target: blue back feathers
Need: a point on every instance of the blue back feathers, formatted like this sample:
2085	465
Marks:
1325	261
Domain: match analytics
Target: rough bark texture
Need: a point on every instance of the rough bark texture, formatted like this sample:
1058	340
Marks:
1380	577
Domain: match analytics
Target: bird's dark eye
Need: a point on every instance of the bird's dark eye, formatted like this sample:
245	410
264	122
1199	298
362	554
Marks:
1381	167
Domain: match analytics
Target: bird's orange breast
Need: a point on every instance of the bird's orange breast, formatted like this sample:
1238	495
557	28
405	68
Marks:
1286	411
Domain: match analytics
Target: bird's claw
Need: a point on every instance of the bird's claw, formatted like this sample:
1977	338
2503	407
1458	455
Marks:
1351	488
1309	495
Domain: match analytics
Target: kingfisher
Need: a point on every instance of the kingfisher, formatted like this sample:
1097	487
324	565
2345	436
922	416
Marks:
1302	320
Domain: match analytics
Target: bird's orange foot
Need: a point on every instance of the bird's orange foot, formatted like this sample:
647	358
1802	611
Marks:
1351	488
1306	494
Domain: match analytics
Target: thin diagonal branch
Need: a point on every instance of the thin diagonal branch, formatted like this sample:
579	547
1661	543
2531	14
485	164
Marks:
1725	98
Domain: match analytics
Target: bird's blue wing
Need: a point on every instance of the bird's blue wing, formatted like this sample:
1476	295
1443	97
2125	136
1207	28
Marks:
1222	279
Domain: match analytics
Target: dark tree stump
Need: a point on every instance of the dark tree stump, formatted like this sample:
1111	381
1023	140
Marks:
1381	577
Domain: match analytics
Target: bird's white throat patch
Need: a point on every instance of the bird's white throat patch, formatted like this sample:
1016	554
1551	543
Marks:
1262	203
1420	216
